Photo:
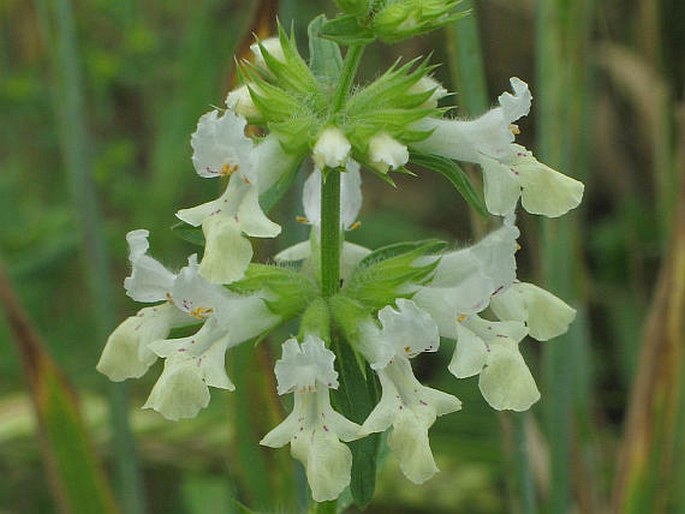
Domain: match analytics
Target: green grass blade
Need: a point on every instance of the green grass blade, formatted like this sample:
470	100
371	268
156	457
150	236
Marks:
466	63
74	471
561	90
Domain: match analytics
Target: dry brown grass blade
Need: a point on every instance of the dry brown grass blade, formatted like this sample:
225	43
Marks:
262	24
75	475
655	397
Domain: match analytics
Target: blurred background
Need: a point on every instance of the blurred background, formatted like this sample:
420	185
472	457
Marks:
97	103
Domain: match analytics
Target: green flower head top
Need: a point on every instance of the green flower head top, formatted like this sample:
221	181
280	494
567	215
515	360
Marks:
363	309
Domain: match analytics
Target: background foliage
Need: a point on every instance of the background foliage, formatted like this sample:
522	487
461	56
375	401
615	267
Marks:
97	101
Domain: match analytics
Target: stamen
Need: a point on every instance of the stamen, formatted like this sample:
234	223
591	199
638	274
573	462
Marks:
461	318
514	129
169	298
355	225
302	219
201	312
228	170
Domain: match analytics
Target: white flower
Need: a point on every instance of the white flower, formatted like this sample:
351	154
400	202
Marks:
149	281
542	190
509	170
491	349
313	429
408	406
126	354
545	315
221	148
491	134
194	362
331	149
191	365
386	153
465	280
272	45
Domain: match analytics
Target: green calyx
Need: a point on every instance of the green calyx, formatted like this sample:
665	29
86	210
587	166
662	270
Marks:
389	20
286	93
397	20
355	7
390	104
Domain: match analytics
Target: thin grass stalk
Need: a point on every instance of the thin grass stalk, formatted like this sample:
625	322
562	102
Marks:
649	474
562	126
558	390
466	63
57	24
468	74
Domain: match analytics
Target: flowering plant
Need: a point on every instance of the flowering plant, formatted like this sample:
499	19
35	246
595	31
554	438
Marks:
363	313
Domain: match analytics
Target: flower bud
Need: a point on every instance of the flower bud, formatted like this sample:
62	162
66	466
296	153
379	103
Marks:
426	84
400	20
331	149
386	153
240	101
272	45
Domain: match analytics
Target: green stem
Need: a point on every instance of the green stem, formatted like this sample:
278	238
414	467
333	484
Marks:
349	71
331	236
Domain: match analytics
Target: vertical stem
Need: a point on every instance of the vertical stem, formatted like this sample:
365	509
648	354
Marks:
331	236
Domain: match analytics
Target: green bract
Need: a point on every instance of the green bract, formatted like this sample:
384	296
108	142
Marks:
287	292
392	272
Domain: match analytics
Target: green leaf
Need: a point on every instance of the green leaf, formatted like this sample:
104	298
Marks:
189	233
452	172
355	399
346	30
325	59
